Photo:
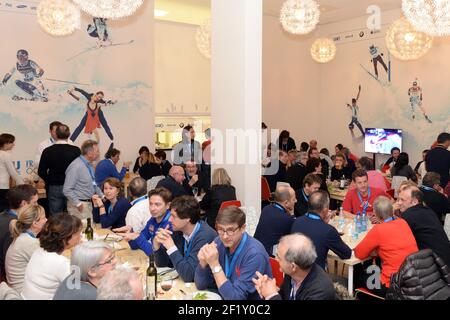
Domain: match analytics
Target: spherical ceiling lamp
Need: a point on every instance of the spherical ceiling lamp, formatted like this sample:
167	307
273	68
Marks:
323	50
203	38
429	16
58	17
110	9
299	16
405	43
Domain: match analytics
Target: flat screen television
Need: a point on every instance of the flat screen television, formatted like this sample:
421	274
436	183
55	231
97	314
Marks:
381	140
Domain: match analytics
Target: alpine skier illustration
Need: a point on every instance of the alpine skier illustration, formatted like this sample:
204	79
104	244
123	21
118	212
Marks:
354	107
415	99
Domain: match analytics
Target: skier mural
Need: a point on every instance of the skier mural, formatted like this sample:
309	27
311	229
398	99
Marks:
376	58
98	29
354	108
416	99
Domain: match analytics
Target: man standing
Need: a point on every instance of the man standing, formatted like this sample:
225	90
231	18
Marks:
438	159
276	220
139	213
311	184
424	224
174	182
181	247
46	143
433	195
53	165
80	185
18	197
303	280
231	261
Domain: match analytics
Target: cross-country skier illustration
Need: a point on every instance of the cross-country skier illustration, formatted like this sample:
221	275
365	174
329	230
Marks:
98	29
415	99
31	83
377	57
93	116
354	107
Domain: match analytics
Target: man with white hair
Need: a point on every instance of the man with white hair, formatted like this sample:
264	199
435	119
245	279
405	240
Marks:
123	284
303	280
90	262
139	213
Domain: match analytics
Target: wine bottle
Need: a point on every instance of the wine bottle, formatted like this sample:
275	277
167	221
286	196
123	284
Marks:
89	232
342	183
151	279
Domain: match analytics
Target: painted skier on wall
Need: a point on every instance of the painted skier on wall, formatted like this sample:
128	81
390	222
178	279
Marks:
98	29
377	58
31	83
93	118
354	107
415	99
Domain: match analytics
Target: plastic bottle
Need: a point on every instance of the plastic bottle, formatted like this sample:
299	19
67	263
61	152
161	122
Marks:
358	223
353	231
341	220
364	223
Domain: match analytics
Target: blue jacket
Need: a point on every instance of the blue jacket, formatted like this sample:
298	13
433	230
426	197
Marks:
144	241
324	236
186	265
106	169
274	223
114	217
239	286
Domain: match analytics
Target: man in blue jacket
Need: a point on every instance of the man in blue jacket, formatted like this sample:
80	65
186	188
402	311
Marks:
106	168
314	225
232	260
180	248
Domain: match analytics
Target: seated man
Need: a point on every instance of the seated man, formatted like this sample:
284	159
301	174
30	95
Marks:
174	182
303	280
360	200
311	184
139	213
276	219
230	262
314	224
395	152
159	201
392	240
195	179
433	195
376	178
183	245
121	284
296	172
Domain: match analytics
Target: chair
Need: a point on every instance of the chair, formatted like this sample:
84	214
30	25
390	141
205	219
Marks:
277	274
265	190
151	183
447	225
396	182
225	204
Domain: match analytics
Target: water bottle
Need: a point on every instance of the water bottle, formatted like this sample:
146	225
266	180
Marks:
341	220
353	231
364	223
358	223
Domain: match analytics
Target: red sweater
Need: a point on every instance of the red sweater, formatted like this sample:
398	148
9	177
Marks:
354	205
393	241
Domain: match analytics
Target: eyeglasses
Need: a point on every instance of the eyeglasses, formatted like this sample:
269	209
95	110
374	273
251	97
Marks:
107	261
229	232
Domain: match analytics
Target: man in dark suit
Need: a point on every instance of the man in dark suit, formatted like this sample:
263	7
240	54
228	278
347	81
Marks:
174	182
304	280
438	158
195	178
296	172
311	184
433	195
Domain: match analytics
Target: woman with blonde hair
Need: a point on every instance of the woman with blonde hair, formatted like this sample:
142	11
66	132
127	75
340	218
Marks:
30	221
151	168
221	190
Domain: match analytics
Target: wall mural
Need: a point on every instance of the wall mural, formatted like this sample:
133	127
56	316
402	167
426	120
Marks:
87	80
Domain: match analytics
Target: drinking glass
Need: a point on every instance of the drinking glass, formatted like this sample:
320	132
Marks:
195	191
166	284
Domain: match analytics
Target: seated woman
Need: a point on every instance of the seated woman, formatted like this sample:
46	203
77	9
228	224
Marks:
112	213
313	165
93	259
340	168
48	267
142	159
402	168
221	191
151	168
25	229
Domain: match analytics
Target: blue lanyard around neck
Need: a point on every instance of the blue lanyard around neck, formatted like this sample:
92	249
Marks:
313	216
230	267
157	225
11	213
427	188
304	195
139	200
292	295
389	219
110	208
187	247
276	205
31	234
365	204
90	169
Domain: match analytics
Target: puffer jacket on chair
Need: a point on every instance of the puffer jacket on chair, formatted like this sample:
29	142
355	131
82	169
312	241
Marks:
422	276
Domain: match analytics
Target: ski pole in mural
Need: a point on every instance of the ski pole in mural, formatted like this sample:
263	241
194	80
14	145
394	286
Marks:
354	107
31	83
93	119
377	58
415	99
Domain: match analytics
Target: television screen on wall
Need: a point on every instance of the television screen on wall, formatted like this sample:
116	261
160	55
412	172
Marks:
380	140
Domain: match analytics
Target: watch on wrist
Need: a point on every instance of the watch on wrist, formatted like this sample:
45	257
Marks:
216	269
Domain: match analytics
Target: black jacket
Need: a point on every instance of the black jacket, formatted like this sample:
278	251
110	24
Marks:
438	160
5	239
287	147
435	200
150	170
54	161
295	175
423	276
174	187
213	199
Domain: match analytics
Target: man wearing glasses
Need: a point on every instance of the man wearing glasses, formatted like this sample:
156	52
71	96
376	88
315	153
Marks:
232	259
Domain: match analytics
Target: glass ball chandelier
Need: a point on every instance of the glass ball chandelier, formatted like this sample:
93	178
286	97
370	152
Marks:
429	16
323	50
58	17
109	9
299	16
405	43
203	38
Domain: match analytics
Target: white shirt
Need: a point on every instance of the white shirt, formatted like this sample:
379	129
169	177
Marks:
43	145
139	214
44	274
7	170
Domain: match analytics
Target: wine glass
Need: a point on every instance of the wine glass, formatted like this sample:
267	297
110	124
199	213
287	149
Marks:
166	284
195	191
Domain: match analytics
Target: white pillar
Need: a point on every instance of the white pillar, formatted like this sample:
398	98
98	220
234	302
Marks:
236	89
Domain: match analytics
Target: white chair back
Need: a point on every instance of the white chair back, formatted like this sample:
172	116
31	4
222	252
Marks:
151	183
396	182
447	225
251	219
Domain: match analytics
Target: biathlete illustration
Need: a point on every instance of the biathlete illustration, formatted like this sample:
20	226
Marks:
354	107
31	82
416	99
94	118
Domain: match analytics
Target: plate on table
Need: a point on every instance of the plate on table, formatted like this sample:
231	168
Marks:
167	274
110	237
204	295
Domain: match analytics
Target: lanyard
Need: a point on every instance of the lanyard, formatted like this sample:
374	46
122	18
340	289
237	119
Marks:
276	205
31	234
134	202
110	208
52	141
313	216
389	219
304	196
427	188
230	267
90	169
292	295
12	214
187	247
365	204
157	225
